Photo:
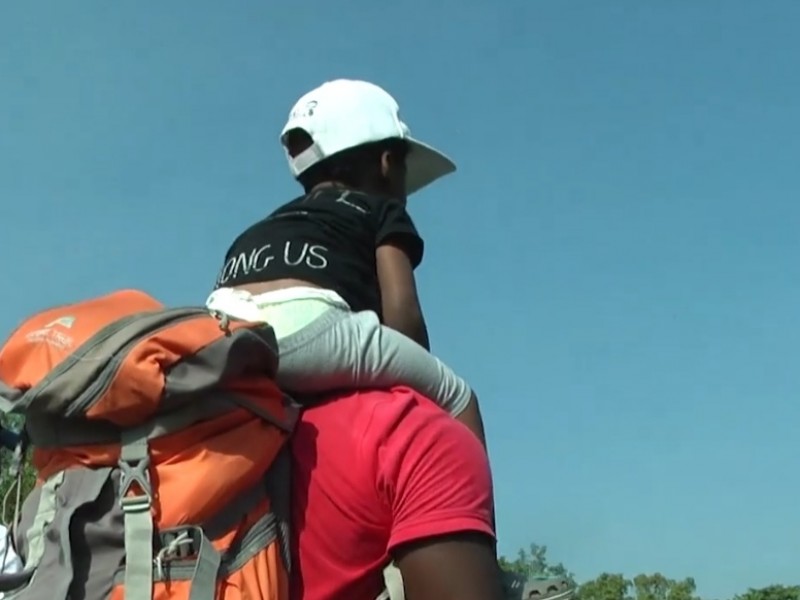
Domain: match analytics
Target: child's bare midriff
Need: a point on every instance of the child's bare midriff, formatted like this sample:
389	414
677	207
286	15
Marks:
271	286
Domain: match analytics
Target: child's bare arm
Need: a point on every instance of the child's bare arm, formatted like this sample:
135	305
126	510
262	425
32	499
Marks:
400	302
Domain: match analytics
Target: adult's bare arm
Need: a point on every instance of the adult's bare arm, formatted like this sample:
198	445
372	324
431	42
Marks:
453	567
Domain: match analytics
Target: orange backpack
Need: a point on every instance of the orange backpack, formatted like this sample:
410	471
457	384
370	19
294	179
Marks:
158	438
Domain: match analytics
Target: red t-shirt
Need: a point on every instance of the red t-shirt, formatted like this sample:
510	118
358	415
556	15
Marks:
373	470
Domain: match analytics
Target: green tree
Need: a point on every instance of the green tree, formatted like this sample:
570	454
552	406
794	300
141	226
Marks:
8	493
534	562
658	587
608	586
772	592
614	586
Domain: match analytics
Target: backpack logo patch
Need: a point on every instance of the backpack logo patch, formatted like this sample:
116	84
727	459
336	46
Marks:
53	337
63	321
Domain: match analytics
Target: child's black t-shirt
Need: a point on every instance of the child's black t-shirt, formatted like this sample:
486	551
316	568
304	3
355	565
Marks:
327	238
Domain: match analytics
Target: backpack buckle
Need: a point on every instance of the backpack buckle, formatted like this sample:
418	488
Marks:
134	466
135	474
180	542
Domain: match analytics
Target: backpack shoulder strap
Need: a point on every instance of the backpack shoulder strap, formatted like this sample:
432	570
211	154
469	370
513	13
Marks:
394	584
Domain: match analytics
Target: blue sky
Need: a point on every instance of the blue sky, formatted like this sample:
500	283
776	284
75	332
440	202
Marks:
614	267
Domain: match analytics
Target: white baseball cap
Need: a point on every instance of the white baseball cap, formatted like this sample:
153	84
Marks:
346	113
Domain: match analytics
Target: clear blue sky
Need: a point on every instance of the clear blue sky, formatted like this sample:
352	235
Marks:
614	266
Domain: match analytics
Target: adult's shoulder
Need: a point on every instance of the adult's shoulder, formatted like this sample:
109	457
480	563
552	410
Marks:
375	412
381	424
338	441
362	410
366	420
425	473
429	472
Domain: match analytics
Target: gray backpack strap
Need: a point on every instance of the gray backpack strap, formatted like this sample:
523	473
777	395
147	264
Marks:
394	584
513	585
204	568
8	397
48	569
35	535
278	486
206	565
134	464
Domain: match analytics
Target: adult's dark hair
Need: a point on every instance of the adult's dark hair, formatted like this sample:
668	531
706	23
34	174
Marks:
358	168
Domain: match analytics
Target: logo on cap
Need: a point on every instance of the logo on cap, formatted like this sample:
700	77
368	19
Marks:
306	111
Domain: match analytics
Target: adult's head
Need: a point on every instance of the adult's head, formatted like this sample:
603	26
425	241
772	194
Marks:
349	132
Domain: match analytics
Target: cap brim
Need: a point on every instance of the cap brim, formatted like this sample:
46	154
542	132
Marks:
424	165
